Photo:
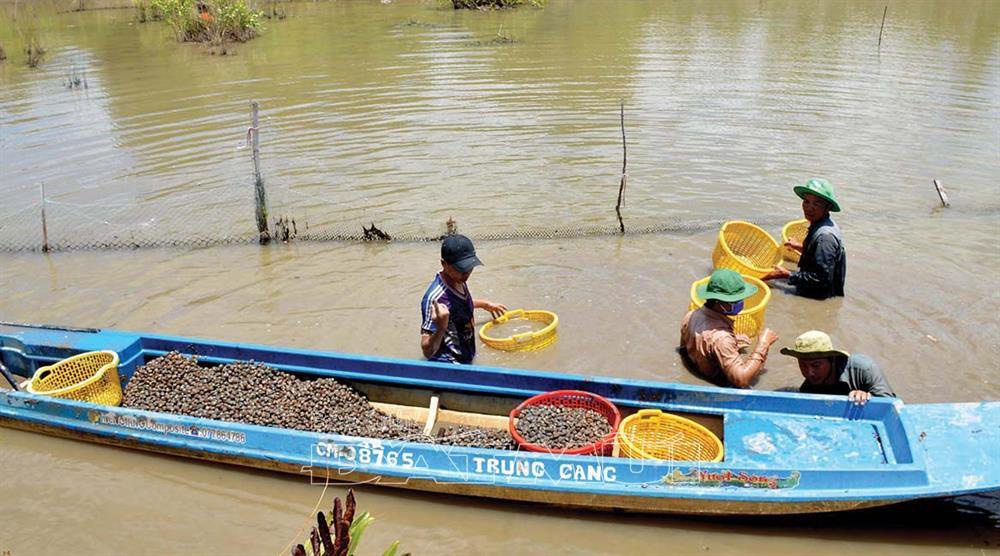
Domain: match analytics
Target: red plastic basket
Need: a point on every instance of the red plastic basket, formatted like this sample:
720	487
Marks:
571	398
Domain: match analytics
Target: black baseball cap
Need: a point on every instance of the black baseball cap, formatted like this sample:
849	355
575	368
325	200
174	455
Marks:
457	250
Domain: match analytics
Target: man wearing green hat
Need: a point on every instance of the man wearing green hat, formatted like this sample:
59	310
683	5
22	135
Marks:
823	264
833	371
707	337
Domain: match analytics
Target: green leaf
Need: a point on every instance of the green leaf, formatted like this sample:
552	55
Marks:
391	551
357	529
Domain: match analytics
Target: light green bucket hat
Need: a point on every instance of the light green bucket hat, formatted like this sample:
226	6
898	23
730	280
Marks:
726	285
819	188
813	344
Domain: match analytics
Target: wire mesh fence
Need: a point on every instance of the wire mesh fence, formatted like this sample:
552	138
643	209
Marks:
179	213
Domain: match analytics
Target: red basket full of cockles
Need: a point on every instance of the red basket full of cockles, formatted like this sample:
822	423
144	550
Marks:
554	423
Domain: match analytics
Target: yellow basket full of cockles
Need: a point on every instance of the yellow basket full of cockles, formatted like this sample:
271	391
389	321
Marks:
531	330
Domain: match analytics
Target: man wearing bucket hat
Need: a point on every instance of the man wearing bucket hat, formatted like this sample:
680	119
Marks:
823	264
833	371
707	337
447	331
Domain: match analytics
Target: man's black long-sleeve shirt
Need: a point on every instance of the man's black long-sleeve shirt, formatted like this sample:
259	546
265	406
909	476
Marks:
823	265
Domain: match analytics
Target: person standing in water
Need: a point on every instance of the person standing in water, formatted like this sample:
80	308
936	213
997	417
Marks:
448	327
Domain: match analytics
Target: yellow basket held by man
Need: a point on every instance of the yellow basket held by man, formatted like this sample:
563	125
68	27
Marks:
88	377
797	230
746	248
525	341
749	321
653	434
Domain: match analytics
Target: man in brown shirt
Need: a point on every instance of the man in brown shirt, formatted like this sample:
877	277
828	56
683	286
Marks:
708	339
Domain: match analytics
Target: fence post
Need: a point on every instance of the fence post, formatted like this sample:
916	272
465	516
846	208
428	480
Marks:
45	227
260	195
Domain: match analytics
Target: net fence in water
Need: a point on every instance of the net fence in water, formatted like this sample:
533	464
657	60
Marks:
217	217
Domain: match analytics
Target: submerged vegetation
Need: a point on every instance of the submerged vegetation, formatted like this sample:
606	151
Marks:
494	4
216	22
33	51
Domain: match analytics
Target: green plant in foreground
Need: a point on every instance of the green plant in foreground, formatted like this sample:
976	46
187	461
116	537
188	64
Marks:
340	534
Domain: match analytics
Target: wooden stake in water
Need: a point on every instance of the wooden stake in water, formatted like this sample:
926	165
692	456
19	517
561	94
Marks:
45	227
942	194
882	27
260	194
621	185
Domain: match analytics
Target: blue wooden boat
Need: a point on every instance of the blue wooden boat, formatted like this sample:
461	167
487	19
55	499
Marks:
784	452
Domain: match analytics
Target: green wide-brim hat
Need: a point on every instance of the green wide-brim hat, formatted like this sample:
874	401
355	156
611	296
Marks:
813	344
819	188
726	285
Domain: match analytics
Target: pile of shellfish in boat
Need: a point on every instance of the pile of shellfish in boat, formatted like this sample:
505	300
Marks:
249	392
562	428
253	393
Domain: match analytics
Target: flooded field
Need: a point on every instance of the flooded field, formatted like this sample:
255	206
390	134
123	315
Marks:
404	114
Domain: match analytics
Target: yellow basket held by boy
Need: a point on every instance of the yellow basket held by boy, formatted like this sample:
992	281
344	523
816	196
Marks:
526	341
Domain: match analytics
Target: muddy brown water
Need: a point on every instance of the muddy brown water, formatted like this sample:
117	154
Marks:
406	114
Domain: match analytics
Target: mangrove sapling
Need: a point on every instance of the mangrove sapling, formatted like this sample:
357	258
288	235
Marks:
146	11
213	22
34	52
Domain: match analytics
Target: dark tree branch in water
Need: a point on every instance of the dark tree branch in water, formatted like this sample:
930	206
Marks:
621	185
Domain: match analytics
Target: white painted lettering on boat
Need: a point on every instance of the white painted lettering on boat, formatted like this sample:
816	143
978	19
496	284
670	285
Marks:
146	424
509	467
364	454
536	469
588	472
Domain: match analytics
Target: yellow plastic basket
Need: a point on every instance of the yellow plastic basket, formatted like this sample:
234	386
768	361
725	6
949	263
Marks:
88	377
745	248
653	434
750	320
526	341
796	229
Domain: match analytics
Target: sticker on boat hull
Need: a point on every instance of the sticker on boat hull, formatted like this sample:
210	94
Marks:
146	424
727	478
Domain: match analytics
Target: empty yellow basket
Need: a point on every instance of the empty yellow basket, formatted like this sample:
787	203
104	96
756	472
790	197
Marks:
750	320
746	248
88	377
653	434
797	230
526	341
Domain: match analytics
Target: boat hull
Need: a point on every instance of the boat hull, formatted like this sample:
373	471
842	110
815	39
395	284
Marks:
785	453
695	505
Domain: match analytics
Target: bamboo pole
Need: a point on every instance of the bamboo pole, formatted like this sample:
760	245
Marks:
882	27
942	194
45	227
260	195
621	185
